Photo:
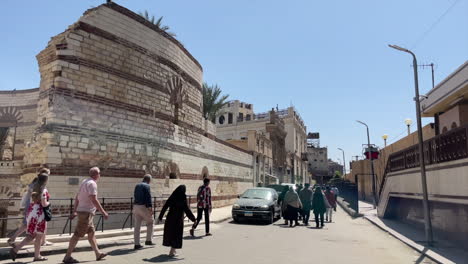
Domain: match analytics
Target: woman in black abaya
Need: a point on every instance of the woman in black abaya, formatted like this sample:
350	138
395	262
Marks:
174	224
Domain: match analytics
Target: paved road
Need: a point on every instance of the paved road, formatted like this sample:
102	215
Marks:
344	241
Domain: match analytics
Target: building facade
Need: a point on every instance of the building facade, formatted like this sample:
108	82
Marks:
284	128
317	162
445	158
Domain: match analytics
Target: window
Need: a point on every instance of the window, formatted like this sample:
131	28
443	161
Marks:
241	117
454	125
247	117
221	120
230	118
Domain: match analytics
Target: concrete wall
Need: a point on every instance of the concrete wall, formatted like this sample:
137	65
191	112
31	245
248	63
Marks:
362	169
448	194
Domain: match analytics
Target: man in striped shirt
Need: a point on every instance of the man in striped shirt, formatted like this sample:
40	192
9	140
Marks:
203	206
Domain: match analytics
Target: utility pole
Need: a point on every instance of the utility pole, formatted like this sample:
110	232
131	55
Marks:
427	216
432	70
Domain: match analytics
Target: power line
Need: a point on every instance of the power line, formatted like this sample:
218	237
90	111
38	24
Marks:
434	24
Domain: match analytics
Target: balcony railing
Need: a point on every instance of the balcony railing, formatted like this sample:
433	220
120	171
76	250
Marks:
449	146
452	145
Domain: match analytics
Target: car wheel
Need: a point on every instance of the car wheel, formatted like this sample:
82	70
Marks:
236	220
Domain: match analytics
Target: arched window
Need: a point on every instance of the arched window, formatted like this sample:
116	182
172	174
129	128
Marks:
221	120
454	125
444	129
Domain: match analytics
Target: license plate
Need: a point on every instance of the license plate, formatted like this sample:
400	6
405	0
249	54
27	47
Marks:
248	213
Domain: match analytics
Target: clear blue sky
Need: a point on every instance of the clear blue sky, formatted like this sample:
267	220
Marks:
328	58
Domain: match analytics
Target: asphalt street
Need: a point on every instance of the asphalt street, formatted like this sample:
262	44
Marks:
346	240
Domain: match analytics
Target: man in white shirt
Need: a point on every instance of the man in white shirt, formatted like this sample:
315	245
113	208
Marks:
86	203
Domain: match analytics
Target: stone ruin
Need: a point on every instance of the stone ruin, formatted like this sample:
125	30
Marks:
118	93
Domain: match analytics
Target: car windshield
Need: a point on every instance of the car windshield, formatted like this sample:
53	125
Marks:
256	194
278	188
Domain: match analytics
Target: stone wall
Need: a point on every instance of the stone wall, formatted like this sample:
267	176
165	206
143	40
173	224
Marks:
118	93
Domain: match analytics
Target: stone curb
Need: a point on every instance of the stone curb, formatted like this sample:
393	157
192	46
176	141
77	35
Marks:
411	245
348	210
118	238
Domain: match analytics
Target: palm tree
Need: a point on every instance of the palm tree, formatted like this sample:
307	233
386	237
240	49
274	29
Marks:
212	102
157	23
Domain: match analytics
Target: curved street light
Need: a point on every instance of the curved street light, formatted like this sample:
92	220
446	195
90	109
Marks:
344	163
427	217
374	202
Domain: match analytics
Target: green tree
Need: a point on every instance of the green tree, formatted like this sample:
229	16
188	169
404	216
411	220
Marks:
212	101
337	174
157	22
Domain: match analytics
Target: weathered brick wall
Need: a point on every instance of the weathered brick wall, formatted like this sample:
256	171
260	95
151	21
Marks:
119	94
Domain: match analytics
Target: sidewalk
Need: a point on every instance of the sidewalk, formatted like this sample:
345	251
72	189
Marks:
443	251
116	237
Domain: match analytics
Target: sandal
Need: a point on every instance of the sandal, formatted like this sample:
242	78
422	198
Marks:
70	260
13	254
101	256
11	242
41	258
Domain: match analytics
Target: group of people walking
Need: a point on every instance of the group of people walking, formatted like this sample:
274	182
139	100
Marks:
38	213
297	206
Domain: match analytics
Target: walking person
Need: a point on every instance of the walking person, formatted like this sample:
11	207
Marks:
86	203
292	204
174	224
36	220
306	199
143	211
203	206
282	203
25	202
319	205
331	198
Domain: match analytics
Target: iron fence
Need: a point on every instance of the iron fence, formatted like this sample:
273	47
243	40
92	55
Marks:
350	193
62	209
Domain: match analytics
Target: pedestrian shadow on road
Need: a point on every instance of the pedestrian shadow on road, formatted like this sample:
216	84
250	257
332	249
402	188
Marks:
192	237
162	258
126	251
247	222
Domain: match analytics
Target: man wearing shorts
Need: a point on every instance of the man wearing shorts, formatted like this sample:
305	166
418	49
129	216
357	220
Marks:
86	203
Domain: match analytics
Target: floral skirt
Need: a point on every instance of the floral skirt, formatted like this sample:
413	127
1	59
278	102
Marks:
36	222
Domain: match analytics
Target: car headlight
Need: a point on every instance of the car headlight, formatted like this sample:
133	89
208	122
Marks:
264	207
235	206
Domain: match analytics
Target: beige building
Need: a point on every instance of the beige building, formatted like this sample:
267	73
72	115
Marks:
318	162
445	151
284	128
261	147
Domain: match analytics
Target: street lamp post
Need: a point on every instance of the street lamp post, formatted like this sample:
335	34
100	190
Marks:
408	123
427	217
384	137
344	163
374	202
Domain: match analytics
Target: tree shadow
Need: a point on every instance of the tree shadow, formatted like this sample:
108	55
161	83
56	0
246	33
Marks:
162	258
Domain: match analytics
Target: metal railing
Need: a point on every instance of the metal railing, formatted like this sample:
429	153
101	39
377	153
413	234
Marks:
350	193
62	209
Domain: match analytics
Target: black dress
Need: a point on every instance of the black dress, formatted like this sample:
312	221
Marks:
174	225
